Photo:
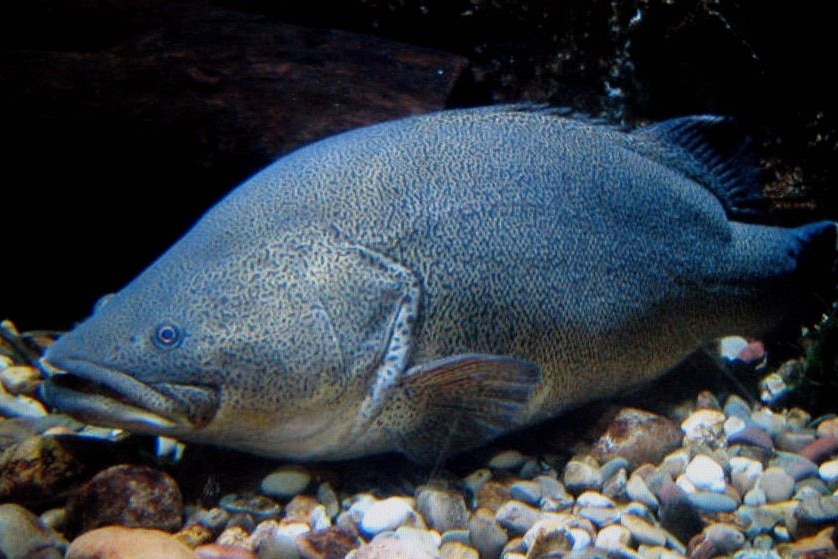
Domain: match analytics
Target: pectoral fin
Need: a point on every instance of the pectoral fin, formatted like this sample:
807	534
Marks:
457	403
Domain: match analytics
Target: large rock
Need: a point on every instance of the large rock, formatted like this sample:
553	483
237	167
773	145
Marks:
22	536
112	542
133	496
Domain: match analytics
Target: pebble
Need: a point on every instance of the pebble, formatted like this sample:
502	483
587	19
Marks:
218	551
259	506
676	462
712	502
794	442
442	509
613	466
776	484
702	423
581	476
332	543
594	499
127	495
327	496
642	531
795	465
755	497
638	436
819	510
820	448
599	516
507	460
389	546
387	514
821	544
485	533
828	428
128	543
637	490
20	379
706	473
615	486
744	472
751	435
23	536
286	482
517	517
726	538
829	471
457	550
736	406
527	491
20	406
613	538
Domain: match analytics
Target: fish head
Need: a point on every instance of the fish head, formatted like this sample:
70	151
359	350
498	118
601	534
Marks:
237	349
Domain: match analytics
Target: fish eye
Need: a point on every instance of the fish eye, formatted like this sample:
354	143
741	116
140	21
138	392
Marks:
167	335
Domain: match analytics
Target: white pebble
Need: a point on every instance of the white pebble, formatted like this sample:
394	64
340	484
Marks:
286	482
705	473
20	406
507	460
744	472
638	490
594	499
293	529
387	514
829	471
676	462
685	484
701	422
581	538
613	537
733	425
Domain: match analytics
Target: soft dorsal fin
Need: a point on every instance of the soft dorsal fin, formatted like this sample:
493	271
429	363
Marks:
714	151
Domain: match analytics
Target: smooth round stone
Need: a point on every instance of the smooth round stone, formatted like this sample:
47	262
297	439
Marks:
507	460
795	465
817	511
458	550
599	516
615	486
475	481
676	462
755	497
726	538
642	531
712	502
219	551
705	473
794	442
613	537
580	476
829	471
594	499
517	517
736	406
260	506
128	543
613	466
20	406
286	483
553	488
335	541
388	546
442	509
127	495
757	520
820	448
828	428
387	514
702	422
23	536
527	491
751	435
327	496
744	472
359	505
772	423
733	424
485	533
637	490
777	484
20	379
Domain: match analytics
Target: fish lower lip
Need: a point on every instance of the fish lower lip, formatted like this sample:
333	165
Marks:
105	396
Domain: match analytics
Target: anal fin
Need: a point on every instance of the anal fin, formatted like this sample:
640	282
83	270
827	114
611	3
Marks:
457	403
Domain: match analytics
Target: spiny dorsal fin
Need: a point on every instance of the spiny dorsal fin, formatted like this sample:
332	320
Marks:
714	151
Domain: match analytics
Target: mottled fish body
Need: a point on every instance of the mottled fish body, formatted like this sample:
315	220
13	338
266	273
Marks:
428	284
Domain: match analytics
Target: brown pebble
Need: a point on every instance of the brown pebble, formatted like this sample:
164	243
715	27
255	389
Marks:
300	508
219	551
828	428
638	436
111	542
194	535
333	543
820	448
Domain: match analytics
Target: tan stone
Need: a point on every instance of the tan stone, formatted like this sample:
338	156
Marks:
118	542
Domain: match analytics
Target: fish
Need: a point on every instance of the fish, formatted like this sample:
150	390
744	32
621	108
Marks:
428	284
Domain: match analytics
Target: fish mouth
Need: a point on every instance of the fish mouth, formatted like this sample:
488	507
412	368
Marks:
101	395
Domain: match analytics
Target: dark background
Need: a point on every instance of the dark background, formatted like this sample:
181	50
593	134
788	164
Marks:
124	121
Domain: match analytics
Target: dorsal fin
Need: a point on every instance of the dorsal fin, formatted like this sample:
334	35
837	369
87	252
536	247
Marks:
714	151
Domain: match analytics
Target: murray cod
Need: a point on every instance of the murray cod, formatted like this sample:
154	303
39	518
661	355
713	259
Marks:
428	284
